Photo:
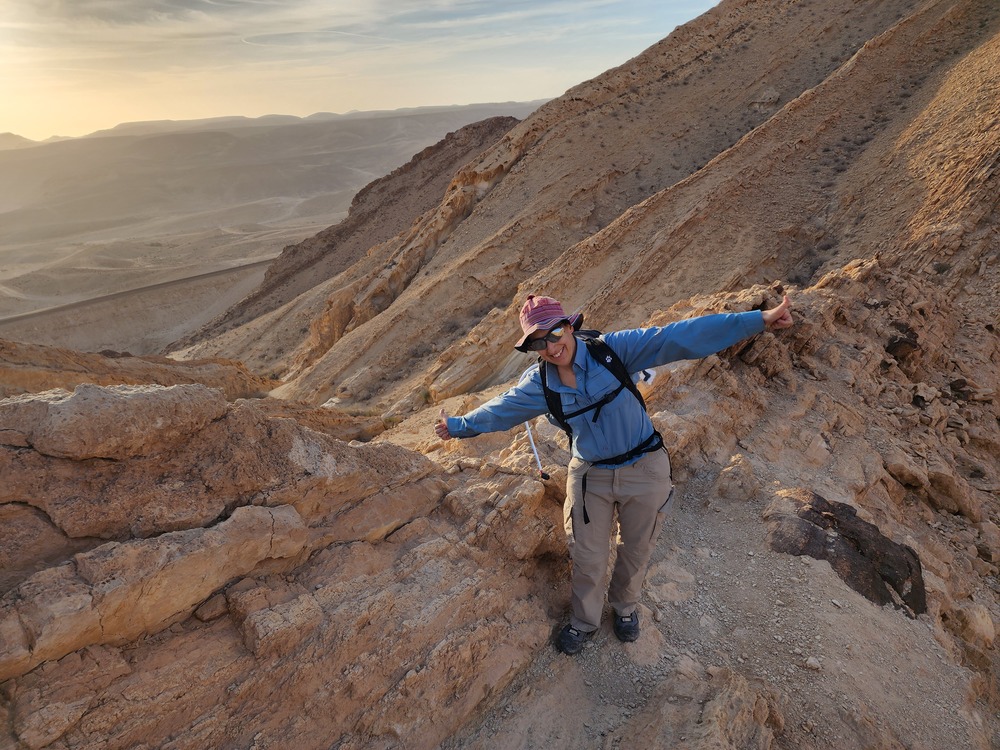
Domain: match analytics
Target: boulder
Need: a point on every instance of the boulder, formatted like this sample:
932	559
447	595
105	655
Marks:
803	523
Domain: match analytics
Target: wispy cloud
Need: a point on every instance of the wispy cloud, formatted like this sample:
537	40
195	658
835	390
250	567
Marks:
314	52
132	12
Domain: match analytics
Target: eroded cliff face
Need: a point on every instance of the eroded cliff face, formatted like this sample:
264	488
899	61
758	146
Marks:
185	565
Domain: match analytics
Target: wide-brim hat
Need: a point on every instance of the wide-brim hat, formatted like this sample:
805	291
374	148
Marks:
544	314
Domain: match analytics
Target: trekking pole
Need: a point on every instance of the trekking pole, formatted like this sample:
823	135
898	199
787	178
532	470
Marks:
534	450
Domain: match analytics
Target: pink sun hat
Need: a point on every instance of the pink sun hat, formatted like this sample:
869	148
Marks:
544	314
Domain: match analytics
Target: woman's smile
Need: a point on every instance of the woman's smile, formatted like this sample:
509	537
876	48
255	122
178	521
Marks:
560	352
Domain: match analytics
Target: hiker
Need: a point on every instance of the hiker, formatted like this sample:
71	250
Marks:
619	460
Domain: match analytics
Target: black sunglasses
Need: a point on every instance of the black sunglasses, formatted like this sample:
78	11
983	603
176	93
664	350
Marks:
537	345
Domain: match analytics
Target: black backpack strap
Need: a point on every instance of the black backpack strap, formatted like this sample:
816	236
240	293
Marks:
653	443
553	403
596	406
604	354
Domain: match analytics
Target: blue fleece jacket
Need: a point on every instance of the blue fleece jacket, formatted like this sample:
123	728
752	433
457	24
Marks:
622	424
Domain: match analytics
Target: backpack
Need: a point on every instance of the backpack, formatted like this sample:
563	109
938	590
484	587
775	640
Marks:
604	354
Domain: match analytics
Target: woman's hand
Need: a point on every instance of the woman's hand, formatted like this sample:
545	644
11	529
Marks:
780	316
441	428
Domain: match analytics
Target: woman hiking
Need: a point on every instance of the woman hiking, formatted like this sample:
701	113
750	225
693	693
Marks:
619	462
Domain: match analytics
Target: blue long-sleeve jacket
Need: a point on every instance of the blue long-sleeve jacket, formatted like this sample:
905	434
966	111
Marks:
623	424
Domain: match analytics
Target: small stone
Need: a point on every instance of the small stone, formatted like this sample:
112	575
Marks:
813	663
836	604
215	607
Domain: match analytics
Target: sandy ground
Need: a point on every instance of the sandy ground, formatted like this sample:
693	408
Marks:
717	596
135	288
139	321
36	276
133	295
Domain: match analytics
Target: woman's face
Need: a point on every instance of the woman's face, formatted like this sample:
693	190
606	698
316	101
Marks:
560	345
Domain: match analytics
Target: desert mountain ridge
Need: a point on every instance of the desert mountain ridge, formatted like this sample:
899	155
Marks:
257	541
147	127
12	140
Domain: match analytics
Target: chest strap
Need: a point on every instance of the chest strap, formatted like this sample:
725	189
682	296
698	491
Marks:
597	405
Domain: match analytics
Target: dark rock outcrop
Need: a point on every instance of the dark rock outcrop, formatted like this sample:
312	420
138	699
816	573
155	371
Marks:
803	523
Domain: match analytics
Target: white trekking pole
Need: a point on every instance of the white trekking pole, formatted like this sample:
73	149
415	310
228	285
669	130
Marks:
527	426
534	450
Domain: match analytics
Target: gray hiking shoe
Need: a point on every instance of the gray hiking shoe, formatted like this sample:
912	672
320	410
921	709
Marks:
571	640
627	627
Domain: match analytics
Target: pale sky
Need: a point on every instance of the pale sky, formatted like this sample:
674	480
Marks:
70	67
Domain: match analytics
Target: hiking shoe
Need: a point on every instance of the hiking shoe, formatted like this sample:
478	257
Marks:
627	627
571	640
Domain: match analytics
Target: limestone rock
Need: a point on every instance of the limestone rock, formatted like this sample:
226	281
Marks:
951	492
973	623
989	547
738	480
113	422
178	481
32	368
321	494
54	698
118	592
905	471
30	542
278	630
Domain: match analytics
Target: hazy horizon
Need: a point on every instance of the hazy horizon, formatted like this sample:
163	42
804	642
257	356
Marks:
70	69
279	116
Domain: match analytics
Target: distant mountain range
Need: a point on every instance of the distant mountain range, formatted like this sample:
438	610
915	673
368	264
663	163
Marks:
147	127
10	141
191	174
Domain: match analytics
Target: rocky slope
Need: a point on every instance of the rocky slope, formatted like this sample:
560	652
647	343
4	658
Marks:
186	568
378	212
30	368
568	188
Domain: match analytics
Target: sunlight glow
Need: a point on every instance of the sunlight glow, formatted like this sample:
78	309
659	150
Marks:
69	67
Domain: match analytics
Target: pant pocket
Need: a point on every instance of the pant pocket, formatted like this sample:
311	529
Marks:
576	485
661	515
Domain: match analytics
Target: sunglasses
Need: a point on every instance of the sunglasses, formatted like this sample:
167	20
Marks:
537	345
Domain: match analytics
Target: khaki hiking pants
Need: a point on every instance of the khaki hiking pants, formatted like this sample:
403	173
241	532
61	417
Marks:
640	495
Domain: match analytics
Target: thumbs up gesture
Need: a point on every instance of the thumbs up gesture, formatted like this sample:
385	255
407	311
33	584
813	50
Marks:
780	316
441	428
